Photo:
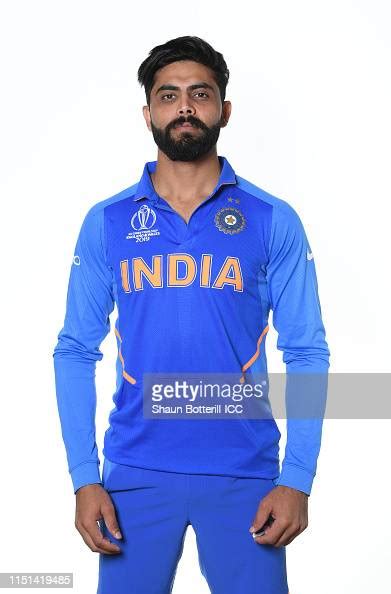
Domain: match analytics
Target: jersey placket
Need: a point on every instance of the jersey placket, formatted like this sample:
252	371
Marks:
187	231
185	298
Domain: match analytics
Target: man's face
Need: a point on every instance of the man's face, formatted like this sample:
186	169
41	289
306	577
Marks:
185	92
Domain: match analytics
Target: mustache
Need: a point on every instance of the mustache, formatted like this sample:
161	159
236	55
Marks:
191	120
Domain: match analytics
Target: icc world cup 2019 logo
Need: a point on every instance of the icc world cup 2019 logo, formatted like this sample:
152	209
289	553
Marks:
142	222
146	218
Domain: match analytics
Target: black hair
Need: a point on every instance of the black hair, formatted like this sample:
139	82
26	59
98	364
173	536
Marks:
183	48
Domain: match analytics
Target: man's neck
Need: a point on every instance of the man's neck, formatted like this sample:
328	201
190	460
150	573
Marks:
186	181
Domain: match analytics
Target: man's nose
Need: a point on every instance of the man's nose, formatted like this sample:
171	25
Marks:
186	110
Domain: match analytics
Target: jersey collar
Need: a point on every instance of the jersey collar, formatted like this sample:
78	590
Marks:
145	187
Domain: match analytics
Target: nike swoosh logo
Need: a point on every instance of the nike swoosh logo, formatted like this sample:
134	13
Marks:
310	255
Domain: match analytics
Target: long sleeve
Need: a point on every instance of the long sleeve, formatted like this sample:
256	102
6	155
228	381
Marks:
88	306
297	317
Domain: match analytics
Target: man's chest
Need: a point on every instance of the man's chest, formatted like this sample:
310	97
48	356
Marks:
184	209
218	245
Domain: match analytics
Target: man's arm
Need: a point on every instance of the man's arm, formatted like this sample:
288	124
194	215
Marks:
293	293
89	303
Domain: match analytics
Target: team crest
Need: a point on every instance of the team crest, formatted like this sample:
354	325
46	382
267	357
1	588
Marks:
230	220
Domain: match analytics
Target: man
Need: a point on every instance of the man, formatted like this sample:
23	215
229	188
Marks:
194	256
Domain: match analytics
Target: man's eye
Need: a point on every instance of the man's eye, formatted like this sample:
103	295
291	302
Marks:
172	94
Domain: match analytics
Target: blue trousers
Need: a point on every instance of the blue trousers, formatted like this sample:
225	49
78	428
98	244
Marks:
154	509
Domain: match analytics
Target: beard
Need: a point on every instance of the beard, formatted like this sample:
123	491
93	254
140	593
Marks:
189	146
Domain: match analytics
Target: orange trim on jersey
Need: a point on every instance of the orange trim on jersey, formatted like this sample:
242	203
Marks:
256	354
126	375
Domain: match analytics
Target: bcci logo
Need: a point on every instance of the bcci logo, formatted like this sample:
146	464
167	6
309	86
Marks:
230	220
142	222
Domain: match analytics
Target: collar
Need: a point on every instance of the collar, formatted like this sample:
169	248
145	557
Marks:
145	188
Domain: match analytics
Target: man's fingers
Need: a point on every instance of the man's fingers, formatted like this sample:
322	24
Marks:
110	519
101	544
260	518
273	533
289	535
287	538
89	542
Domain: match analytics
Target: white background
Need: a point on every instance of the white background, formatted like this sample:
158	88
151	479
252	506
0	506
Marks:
310	123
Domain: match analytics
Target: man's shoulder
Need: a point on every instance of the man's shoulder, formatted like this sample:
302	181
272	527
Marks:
258	192
93	220
98	207
281	208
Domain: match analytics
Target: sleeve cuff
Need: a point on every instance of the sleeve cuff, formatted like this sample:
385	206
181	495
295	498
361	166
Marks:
85	474
296	478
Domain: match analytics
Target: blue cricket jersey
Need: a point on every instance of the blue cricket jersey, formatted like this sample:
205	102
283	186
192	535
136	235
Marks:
190	297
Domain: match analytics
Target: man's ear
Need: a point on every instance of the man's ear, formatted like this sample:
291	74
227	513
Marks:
147	117
226	113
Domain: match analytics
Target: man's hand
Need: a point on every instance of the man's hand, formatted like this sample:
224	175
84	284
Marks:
289	508
92	504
